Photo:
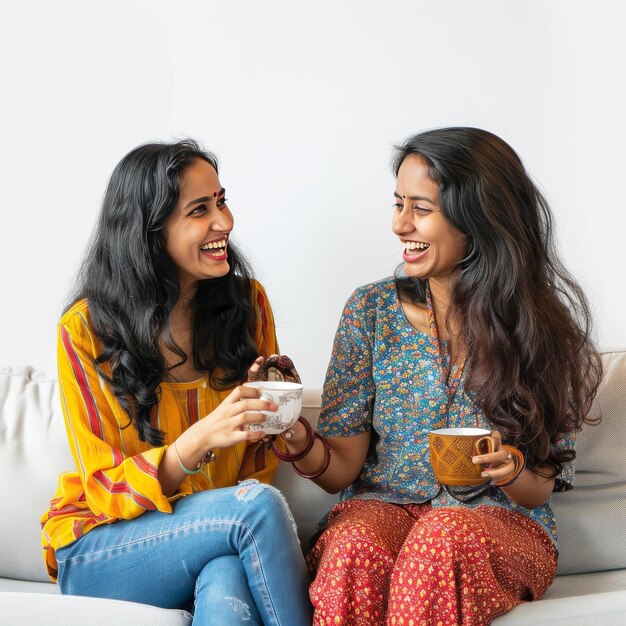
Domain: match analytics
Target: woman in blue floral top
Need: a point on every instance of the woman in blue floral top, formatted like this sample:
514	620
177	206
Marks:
481	327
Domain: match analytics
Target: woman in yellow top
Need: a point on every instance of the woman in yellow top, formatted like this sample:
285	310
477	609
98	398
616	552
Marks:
162	330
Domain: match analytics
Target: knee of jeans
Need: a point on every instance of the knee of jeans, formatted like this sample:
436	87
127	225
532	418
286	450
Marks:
222	582
265	497
249	490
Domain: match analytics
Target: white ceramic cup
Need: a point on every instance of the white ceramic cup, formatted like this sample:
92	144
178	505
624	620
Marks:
288	397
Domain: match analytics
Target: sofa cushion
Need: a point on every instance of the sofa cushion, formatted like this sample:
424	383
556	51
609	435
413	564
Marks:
593	609
591	518
10	584
33	452
57	610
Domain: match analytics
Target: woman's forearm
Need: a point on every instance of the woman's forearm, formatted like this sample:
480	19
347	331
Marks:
185	450
347	455
532	488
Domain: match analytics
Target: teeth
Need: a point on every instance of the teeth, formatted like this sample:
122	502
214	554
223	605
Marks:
214	245
415	245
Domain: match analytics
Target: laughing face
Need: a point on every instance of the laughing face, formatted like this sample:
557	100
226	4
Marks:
197	232
432	247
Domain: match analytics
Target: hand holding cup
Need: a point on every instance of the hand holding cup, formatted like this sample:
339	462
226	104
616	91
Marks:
288	397
279	382
498	464
462	457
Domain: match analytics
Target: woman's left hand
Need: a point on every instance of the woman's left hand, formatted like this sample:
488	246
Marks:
253	372
499	464
274	367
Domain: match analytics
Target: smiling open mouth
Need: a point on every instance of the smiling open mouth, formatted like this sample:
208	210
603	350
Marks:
215	248
415	245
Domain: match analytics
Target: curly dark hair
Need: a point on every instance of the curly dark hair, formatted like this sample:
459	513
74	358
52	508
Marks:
524	320
131	286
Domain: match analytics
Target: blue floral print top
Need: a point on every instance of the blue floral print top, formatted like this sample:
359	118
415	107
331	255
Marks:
384	377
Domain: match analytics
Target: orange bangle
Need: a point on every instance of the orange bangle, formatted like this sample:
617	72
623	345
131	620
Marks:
520	464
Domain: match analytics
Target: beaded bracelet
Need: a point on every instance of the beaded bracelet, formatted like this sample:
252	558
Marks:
325	463
207	458
520	464
297	456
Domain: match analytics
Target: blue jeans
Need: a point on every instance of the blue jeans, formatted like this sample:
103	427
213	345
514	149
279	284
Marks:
233	550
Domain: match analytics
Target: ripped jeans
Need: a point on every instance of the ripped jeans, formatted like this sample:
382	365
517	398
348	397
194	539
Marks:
233	551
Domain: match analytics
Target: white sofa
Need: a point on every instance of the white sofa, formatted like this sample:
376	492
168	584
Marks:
590	588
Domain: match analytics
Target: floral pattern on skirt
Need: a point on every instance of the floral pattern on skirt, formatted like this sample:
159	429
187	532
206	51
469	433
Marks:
417	565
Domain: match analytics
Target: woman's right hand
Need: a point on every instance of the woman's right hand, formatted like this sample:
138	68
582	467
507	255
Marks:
228	424
224	427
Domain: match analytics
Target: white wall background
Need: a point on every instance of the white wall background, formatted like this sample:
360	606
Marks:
302	103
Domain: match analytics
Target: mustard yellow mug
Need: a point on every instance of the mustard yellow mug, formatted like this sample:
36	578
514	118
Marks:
451	452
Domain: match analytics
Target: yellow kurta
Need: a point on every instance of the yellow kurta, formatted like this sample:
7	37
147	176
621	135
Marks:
117	475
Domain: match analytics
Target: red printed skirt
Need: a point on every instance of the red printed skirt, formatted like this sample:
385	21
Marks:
415	565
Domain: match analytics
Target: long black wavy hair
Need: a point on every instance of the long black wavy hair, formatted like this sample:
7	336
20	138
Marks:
131	286
524	320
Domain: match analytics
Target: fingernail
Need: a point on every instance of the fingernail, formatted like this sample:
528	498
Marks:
484	475
288	435
273	406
